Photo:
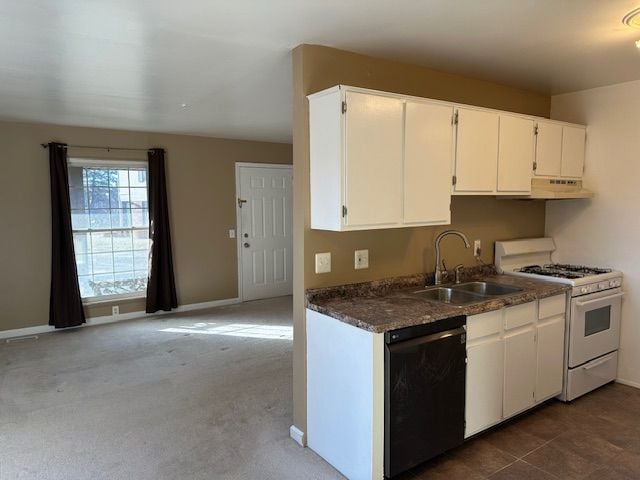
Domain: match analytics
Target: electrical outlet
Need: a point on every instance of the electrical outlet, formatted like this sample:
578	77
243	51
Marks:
477	249
323	262
361	259
115	310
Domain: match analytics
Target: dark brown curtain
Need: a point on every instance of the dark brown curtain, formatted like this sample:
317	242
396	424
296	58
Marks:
161	287
65	304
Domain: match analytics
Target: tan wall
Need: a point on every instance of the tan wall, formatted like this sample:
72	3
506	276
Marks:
201	190
394	251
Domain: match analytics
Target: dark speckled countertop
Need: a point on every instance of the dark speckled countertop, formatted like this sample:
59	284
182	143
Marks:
388	304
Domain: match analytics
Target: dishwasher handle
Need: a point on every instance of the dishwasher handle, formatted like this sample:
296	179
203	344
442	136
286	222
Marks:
434	337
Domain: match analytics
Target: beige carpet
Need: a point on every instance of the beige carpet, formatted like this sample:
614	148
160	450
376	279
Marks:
205	395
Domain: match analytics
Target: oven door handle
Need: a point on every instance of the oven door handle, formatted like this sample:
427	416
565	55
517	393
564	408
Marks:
598	300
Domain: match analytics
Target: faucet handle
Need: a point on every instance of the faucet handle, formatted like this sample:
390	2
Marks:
458	271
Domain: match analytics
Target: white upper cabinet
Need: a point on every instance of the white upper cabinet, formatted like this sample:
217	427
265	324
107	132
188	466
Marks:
548	149
378	160
428	155
515	154
560	149
573	150
373	160
385	160
476	151
356	143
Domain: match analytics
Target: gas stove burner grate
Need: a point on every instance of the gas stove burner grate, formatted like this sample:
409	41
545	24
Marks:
560	270
579	268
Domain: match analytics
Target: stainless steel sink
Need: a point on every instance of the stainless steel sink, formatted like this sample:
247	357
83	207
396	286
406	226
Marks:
486	289
449	295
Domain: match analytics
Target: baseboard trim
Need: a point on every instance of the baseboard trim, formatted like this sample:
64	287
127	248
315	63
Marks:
40	329
298	436
628	382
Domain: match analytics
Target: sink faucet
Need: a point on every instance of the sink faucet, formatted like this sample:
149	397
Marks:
438	279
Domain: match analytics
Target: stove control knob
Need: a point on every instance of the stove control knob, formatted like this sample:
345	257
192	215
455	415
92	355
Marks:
584	290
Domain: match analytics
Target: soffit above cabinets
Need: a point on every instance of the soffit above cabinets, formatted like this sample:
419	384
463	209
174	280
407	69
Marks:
132	64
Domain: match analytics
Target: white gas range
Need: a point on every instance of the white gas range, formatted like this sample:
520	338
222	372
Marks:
594	310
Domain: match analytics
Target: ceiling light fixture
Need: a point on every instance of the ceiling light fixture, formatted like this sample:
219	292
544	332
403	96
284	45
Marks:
632	19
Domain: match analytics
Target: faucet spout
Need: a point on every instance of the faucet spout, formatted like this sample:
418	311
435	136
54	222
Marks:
438	272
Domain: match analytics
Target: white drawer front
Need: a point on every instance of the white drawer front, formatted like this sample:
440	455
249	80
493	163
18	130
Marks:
484	324
592	375
519	315
552	306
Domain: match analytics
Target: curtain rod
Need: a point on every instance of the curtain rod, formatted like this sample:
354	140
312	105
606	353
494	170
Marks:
107	148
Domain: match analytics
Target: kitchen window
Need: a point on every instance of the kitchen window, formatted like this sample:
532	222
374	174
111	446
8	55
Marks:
110	223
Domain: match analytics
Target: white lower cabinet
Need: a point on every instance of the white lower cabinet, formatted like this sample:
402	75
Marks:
485	374
514	360
519	370
550	347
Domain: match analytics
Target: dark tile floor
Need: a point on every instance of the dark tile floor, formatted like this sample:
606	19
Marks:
596	437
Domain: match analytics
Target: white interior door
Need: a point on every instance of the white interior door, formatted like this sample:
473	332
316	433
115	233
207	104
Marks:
265	231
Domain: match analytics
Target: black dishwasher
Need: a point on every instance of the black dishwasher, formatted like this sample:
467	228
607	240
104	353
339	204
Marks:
425	368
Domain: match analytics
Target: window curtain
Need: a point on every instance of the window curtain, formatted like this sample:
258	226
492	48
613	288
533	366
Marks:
65	303
161	287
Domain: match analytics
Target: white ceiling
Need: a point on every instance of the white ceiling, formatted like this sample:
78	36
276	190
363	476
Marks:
131	64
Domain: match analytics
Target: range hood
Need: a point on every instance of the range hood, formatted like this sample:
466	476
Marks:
557	189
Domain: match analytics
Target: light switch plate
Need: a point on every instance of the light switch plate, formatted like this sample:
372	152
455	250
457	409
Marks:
232	233
323	262
361	259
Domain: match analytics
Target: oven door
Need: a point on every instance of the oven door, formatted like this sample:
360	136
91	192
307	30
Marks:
594	329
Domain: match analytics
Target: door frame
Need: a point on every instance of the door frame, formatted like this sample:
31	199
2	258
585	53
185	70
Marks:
240	165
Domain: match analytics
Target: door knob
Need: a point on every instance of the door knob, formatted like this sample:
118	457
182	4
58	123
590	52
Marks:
246	245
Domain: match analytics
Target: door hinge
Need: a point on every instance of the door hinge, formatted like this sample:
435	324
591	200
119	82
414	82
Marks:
454	121
454	180
344	107
535	130
344	211
535	166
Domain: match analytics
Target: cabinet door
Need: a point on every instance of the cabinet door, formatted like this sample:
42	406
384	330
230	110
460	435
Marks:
373	162
573	145
485	377
476	151
428	156
550	352
515	154
519	370
548	149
